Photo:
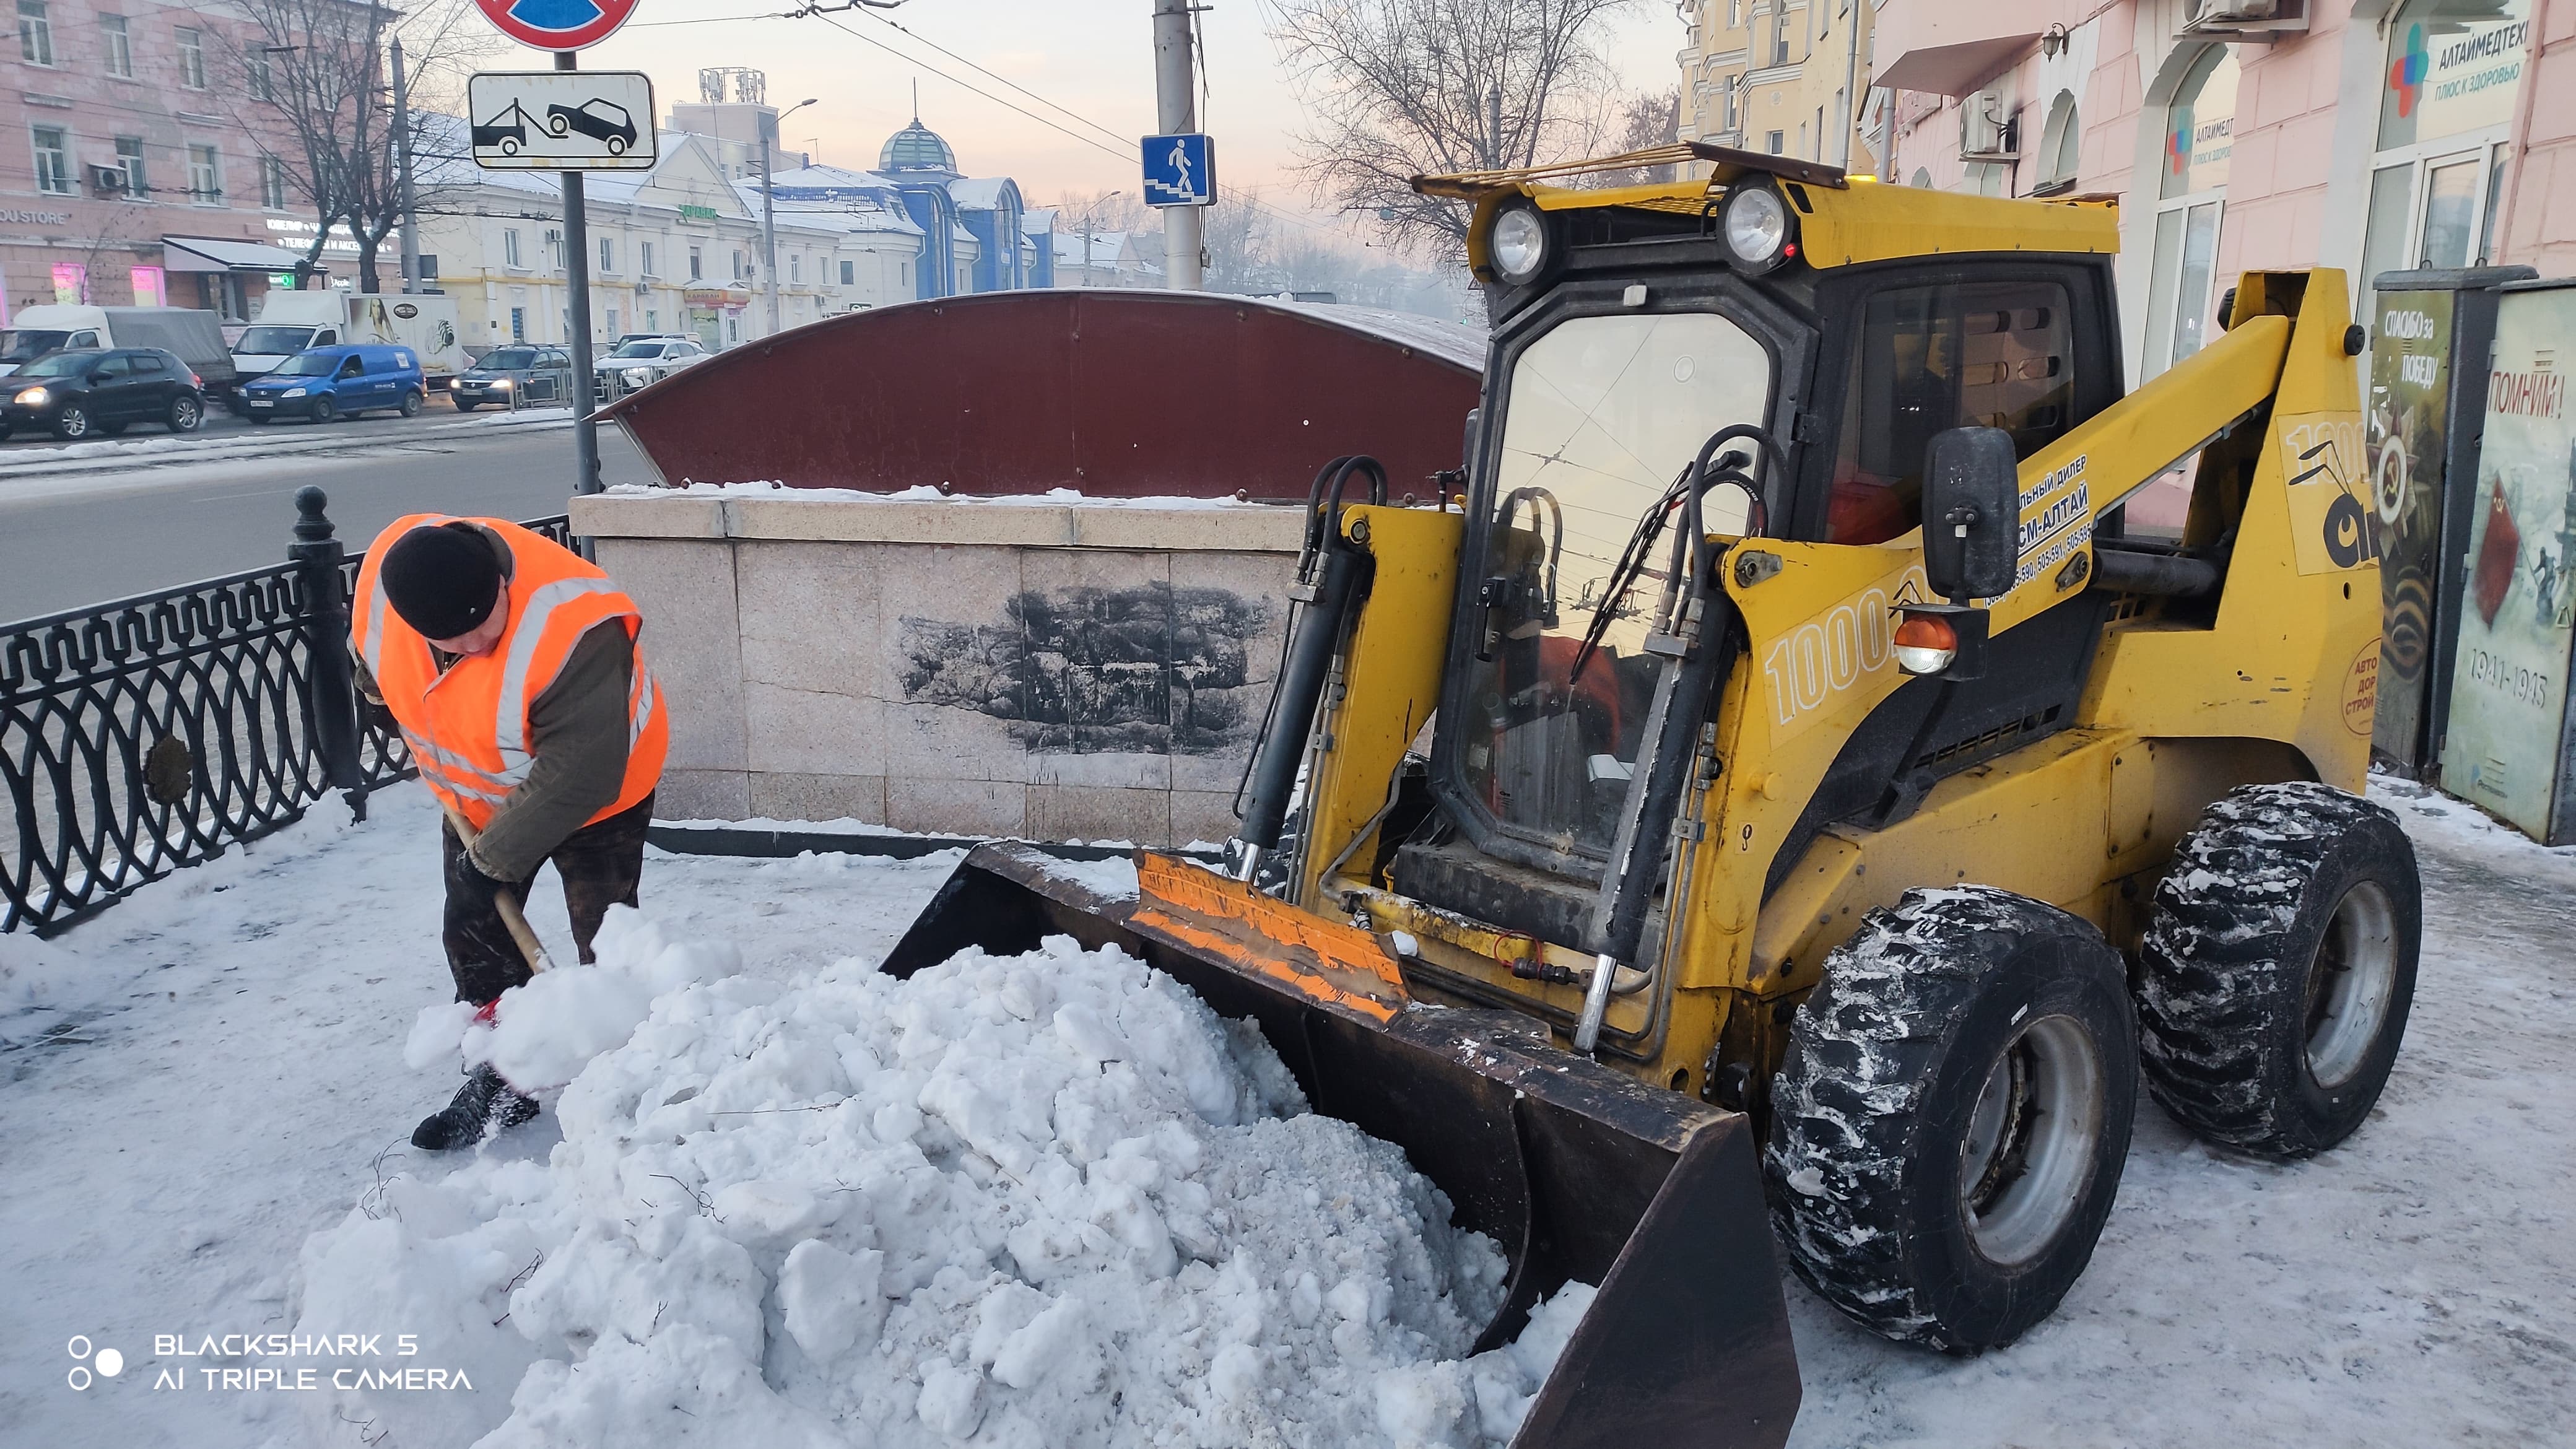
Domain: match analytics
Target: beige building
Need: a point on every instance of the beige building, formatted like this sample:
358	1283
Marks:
1778	76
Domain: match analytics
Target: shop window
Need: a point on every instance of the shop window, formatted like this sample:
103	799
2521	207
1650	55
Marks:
1922	178
35	33
1987	354
2446	99
2191	201
2061	147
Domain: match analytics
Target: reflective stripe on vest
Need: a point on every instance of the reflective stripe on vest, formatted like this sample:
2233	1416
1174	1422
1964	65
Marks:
510	713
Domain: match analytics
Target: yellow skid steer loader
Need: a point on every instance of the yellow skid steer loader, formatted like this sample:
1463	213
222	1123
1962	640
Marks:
1778	793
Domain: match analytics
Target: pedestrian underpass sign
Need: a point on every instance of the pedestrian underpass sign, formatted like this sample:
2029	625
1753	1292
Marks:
1180	170
561	120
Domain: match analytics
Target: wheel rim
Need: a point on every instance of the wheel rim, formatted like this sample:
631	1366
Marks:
187	415
2029	1147
75	422
2349	983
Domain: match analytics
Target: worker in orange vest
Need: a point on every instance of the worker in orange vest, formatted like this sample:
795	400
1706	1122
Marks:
511	664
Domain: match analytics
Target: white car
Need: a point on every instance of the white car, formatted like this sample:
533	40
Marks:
641	361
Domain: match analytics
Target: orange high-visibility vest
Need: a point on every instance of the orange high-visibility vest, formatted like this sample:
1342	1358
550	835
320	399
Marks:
468	728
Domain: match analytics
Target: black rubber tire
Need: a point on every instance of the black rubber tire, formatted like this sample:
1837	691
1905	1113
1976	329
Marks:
72	423
187	411
411	405
1886	1065
325	410
2226	977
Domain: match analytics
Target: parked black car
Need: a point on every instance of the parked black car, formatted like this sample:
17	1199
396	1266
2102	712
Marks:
102	391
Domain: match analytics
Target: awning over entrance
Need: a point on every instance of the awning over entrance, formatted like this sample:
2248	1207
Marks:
218	254
1955	70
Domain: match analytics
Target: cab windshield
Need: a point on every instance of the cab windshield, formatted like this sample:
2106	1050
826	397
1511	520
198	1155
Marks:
1602	416
308	364
505	358
639	349
25	344
273	341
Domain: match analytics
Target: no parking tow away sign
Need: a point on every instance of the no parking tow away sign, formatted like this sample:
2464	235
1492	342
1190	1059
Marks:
562	120
557	24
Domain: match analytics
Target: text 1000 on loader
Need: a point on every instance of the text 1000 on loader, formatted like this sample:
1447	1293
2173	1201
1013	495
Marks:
1775	796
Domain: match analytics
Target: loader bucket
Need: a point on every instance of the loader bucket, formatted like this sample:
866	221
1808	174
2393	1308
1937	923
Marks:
1578	1172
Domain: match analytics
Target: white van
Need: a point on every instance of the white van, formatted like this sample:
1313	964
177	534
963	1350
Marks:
196	337
290	322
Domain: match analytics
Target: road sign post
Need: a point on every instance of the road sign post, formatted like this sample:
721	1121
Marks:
601	121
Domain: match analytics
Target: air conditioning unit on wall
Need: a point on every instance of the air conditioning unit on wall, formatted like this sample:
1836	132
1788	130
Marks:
2258	21
1989	129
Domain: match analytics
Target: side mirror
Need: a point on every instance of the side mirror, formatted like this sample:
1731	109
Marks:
1971	513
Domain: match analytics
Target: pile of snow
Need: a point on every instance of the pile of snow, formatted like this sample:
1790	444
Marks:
1042	1200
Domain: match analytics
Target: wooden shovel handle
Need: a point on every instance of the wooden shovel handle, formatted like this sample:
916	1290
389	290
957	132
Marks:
512	917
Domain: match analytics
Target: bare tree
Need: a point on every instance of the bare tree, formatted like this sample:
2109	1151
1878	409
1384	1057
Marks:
1645	120
319	67
1398	88
1118	210
1235	233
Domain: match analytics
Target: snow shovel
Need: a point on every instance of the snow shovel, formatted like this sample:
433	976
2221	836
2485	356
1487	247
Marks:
513	915
1577	1172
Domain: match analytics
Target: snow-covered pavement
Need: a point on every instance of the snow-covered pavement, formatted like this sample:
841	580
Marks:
206	1076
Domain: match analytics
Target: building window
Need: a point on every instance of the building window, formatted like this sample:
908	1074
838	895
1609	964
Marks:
652	320
53	161
849	274
738	262
272	183
608	259
2061	146
795	266
262	85
510	247
2191	200
1772	143
192	58
2446	100
554	249
518	320
644	256
129	155
205	176
612	321
697	264
119	45
35	33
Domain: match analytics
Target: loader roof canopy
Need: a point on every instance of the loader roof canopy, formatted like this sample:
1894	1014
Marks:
1842	219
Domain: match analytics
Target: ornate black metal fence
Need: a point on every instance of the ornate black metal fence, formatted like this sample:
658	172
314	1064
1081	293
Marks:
153	732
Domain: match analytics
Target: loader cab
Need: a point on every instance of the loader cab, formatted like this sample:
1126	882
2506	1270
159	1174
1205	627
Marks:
1626	350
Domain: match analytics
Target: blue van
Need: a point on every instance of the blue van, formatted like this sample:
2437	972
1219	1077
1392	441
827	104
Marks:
327	383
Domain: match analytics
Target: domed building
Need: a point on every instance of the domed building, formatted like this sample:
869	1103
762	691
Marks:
973	229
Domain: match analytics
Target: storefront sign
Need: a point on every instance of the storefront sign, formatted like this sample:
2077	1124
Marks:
689	212
71	283
20	216
2453	72
2509	682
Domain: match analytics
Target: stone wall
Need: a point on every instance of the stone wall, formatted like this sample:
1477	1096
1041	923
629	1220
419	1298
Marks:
1081	671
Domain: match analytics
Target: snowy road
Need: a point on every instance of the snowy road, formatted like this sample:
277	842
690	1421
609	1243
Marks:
218	1066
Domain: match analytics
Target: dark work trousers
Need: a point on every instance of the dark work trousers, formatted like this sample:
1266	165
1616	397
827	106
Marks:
601	864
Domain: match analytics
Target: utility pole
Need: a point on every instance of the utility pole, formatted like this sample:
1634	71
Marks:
1851	79
1494	127
1177	105
585	431
402	154
768	224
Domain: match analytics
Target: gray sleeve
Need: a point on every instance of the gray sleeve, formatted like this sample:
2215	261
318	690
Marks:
578	735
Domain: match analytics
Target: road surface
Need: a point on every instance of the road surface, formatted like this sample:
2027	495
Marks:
66	543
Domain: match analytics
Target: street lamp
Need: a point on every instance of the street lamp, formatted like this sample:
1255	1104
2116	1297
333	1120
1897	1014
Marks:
769	210
1087	215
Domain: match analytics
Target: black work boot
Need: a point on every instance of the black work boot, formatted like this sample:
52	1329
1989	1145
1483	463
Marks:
483	1101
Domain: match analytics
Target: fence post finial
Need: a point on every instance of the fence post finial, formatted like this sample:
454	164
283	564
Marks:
333	700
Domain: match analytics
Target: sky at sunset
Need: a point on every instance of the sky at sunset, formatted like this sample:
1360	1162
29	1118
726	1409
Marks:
1091	57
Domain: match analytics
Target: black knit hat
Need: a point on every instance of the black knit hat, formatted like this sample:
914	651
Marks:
443	581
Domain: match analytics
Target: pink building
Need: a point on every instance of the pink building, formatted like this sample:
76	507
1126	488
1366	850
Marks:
2370	135
137	160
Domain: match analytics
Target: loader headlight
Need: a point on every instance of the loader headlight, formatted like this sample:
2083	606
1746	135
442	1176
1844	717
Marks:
1925	644
1760	233
1517	243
